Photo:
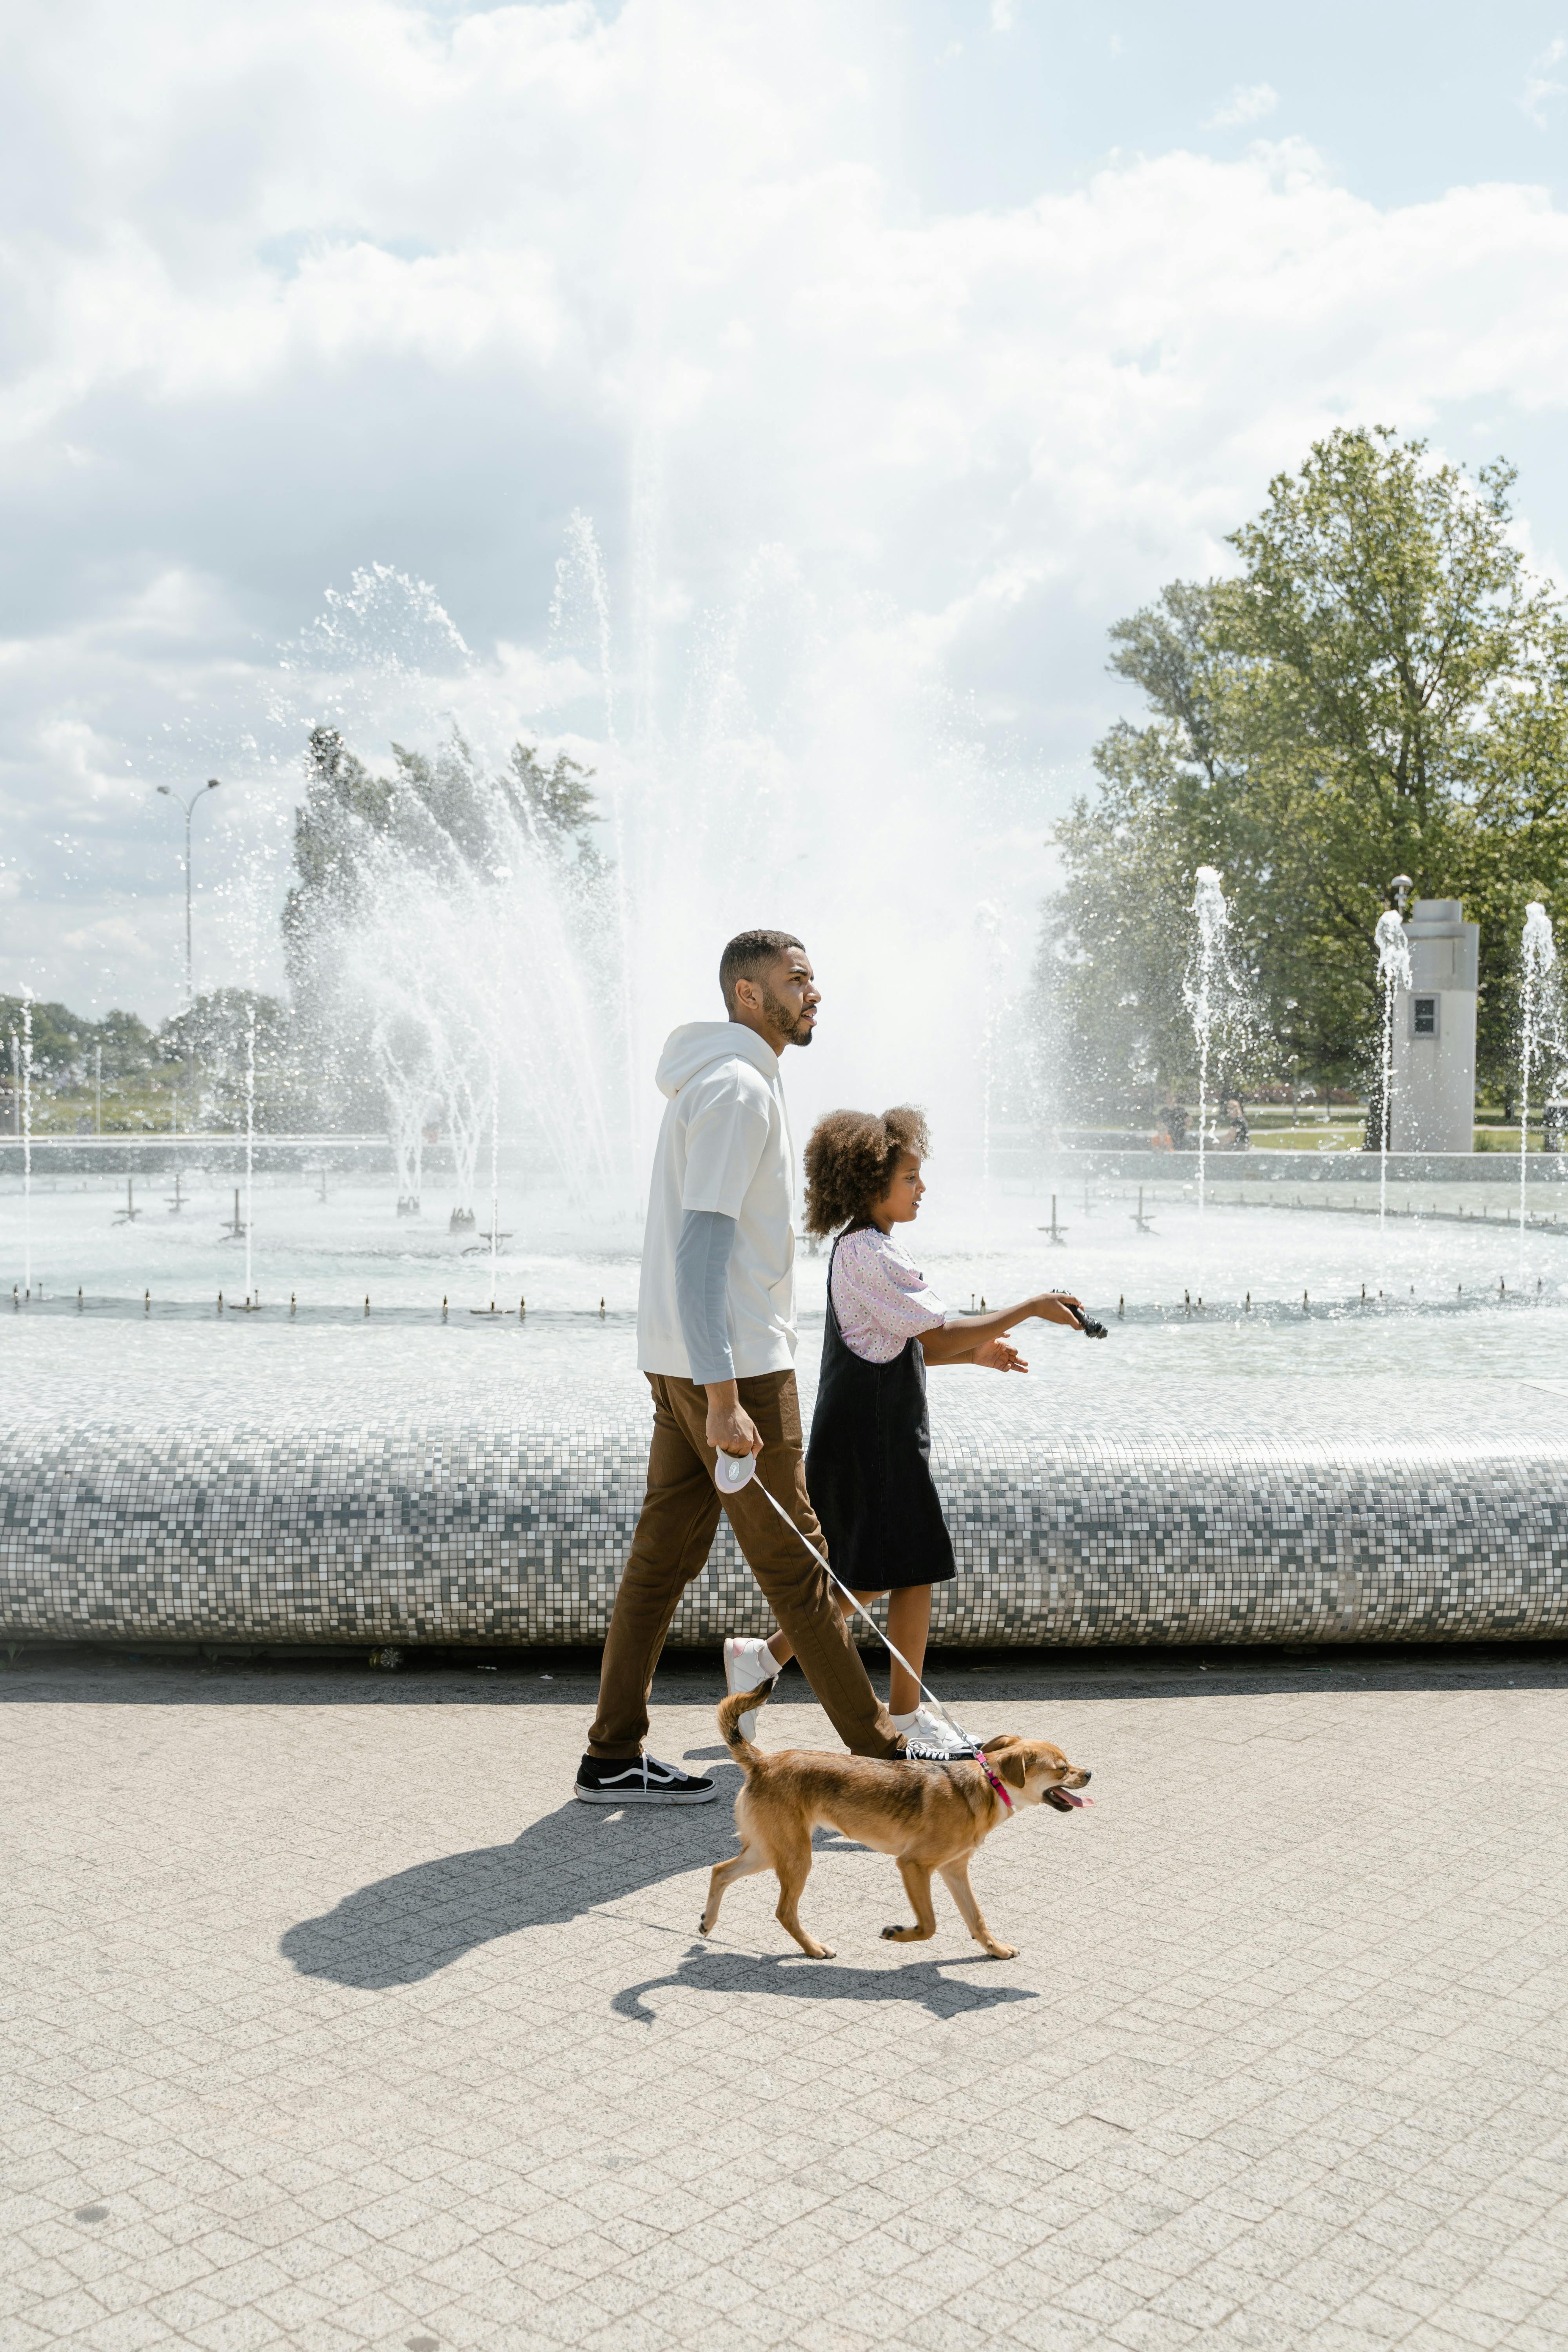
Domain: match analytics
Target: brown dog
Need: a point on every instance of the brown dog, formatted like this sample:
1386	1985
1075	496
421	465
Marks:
929	1816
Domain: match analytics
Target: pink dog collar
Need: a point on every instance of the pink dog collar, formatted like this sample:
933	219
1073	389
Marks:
984	1764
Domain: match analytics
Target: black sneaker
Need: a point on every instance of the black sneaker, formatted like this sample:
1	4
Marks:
639	1780
916	1751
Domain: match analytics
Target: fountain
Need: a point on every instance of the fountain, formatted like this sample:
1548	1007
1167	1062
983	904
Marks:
988	923
495	1176
1216	995
470	958
496	924
405	1060
1540	1021
249	1220
1393	974
27	1068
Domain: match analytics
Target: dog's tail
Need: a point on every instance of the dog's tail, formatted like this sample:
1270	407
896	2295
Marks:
730	1715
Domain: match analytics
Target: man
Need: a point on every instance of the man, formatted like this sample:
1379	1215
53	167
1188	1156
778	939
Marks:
716	1337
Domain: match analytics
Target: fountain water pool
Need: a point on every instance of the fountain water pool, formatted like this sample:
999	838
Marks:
1248	1262
1257	1453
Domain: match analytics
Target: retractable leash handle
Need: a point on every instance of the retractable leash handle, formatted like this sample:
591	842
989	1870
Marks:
733	1471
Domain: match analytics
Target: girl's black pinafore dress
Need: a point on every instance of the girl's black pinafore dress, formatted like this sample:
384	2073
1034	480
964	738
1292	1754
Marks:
867	1466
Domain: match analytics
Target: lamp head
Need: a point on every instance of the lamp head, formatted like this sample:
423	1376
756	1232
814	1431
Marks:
213	782
165	789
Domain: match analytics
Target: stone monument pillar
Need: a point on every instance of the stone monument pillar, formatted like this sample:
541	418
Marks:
1435	1032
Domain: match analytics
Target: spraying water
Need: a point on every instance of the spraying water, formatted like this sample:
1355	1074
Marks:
410	1079
580	608
495	1174
1212	992
988	923
473	896
27	1142
250	1136
1538	958
1393	974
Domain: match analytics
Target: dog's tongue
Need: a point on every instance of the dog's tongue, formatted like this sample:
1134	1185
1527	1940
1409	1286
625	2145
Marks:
1066	1800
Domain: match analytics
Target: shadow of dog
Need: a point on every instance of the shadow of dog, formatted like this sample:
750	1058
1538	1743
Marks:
923	1984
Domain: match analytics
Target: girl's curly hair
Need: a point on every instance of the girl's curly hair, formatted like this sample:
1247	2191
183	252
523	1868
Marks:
851	1157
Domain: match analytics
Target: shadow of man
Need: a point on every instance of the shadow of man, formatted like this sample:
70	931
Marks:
400	1930
798	1978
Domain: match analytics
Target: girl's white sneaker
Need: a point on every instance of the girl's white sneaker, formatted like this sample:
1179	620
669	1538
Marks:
929	1730
748	1662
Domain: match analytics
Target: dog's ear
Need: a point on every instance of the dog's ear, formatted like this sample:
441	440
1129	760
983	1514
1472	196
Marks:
1007	1749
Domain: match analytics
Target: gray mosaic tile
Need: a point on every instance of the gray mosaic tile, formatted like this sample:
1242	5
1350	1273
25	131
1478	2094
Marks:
1065	1535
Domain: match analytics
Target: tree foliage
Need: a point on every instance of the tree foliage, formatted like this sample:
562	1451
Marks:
212	1040
1383	688
66	1043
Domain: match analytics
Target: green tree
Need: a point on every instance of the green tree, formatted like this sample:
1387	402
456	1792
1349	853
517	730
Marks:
66	1043
211	1042
1383	688
1114	944
57	1034
559	805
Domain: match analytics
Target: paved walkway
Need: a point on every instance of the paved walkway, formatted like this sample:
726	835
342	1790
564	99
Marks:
331	2021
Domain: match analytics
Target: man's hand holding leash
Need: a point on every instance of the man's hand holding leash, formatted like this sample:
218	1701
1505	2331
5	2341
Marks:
731	1429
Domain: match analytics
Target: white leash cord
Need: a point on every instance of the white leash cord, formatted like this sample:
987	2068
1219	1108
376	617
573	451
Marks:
733	1471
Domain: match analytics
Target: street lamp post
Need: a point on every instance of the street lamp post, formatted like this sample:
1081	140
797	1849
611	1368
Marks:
169	793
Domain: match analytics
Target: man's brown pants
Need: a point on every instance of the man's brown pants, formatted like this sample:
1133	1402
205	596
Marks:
669	1550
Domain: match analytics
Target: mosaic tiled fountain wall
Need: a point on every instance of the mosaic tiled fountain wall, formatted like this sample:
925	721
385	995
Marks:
1132	1534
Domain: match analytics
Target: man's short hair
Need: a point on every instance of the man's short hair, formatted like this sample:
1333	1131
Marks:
749	956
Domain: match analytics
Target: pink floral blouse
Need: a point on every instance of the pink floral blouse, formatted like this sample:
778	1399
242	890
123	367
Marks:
880	1296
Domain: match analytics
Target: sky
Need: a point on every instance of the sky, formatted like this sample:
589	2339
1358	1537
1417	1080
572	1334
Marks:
885	354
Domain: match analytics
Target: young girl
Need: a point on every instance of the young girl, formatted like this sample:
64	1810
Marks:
867	1466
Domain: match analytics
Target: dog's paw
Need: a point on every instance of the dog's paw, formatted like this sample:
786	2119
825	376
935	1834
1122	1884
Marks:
897	1935
820	1952
702	1927
1002	1951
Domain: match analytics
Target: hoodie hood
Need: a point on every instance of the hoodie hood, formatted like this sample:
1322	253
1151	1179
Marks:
690	1050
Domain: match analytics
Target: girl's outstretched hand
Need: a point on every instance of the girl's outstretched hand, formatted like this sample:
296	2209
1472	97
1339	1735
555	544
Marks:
1000	1357
1061	1306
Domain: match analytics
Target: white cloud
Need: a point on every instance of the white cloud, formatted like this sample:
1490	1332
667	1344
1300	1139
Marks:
1247	103
1538	84
293	292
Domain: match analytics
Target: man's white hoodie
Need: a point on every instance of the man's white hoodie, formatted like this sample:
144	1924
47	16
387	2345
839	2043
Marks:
725	1145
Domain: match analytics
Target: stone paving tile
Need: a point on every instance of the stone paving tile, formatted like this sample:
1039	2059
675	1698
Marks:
358	2034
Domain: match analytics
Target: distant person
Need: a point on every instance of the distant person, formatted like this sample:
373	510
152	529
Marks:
868	1463
1240	1133
1174	1119
716	1337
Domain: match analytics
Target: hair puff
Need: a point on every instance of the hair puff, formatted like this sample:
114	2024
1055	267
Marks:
851	1157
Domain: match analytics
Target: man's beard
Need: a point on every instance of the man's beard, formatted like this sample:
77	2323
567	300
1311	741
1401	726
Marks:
798	1031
